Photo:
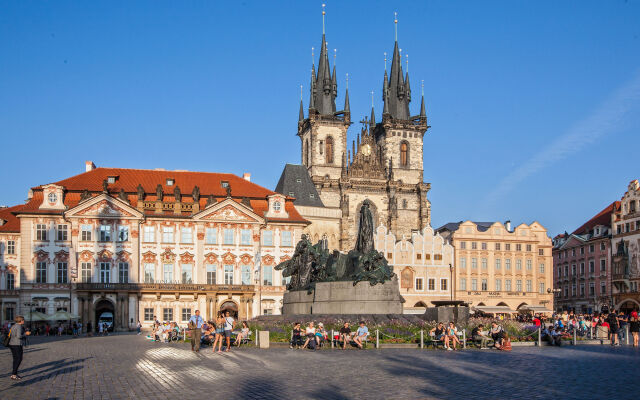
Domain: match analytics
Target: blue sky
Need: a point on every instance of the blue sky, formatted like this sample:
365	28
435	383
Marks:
534	106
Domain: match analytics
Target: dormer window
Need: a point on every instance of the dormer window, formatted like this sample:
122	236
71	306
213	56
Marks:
277	206
53	198
170	181
111	179
224	184
291	194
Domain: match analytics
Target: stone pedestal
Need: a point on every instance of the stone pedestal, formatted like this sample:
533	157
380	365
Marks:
344	298
457	315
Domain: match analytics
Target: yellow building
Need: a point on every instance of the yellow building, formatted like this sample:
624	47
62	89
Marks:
497	266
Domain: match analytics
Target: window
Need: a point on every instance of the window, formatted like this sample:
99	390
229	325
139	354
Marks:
86	272
507	264
228	236
148	314
167	273
228	274
582	250
518	265
603	246
498	264
529	285
41	232
603	265
105	233
484	263
582	268
404	154
11	281
267	275
463	262
167	234
11	247
432	284
123	272
518	285
276	206
86	232
62	233
123	233
211	274
329	150
186	314
518	247
566	291
474	263
170	182
167	314
483	246
463	283
444	284
187	273
573	252
245	274
437	257
497	246
105	272
566	270
507	246
542	268
484	284
211	236
540	252
186	235
582	290
541	288
286	239
573	290
148	234
574	272
474	246
592	289
419	284
245	237
61	272
498	285
603	289
529	265
463	245
149	273
267	238
592	248
474	284
528	247
507	285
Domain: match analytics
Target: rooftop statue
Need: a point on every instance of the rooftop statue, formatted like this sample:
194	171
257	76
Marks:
313	263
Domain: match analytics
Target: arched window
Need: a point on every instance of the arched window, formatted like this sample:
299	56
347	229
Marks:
329	150
404	154
306	157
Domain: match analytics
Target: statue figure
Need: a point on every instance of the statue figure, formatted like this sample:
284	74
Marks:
123	196
177	194
210	201
364	243
159	193
228	191
85	195
140	190
105	186
196	194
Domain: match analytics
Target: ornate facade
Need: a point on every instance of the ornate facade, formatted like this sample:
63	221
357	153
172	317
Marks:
145	244
384	164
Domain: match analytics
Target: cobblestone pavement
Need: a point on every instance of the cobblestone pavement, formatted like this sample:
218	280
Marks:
129	366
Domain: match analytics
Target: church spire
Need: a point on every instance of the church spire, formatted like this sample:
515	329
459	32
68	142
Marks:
398	96
372	120
423	114
325	86
347	107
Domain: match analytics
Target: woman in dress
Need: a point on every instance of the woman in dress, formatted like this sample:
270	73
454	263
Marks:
219	332
634	327
244	333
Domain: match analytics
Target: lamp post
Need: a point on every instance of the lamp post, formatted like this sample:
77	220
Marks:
451	280
30	305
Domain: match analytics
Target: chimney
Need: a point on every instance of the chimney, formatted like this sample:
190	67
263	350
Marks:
247	176
89	166
507	224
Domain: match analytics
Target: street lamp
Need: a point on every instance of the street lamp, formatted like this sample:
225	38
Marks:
30	305
451	280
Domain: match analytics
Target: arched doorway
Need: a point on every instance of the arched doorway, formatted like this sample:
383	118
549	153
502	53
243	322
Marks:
105	313
627	306
503	304
420	304
230	306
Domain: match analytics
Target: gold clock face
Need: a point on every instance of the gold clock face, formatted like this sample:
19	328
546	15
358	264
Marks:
366	149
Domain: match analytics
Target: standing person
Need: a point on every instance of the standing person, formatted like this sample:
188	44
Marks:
229	324
219	332
195	325
622	332
139	326
17	337
634	327
612	319
100	328
345	335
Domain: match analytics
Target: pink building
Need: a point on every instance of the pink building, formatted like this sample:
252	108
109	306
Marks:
582	263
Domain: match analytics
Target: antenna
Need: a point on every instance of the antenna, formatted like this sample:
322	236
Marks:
323	13
395	21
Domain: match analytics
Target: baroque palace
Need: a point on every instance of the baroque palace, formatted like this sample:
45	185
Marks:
143	245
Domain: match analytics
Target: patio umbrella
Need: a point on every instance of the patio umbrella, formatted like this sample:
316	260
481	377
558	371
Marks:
36	316
62	316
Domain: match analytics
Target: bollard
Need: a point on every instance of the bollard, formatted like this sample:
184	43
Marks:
574	336
464	338
332	337
377	339
626	333
184	335
257	344
591	330
422	339
540	335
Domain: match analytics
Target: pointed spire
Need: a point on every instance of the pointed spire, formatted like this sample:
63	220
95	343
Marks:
372	120
398	92
347	107
301	113
312	87
325	85
422	110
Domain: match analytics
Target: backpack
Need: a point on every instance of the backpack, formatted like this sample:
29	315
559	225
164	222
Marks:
6	338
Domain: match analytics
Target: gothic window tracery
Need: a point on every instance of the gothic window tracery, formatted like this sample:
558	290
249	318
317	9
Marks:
329	150
404	154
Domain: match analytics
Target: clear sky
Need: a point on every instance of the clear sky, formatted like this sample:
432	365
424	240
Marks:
534	106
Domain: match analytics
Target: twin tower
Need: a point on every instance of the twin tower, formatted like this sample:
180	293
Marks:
383	165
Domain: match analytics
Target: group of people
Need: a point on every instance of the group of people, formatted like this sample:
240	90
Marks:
216	332
613	326
164	332
494	336
313	337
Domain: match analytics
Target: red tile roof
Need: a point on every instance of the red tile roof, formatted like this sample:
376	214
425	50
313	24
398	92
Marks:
12	223
602	218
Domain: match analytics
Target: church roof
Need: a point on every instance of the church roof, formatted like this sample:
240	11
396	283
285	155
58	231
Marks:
295	182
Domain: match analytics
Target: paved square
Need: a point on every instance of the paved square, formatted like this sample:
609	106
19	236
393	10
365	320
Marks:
129	366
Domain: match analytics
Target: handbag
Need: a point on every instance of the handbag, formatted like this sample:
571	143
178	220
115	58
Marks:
5	339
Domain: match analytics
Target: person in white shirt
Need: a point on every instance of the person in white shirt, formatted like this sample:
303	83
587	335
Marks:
310	331
229	324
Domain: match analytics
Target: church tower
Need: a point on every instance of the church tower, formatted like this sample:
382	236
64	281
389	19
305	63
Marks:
323	134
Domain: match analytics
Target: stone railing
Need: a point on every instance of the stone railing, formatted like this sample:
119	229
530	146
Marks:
171	287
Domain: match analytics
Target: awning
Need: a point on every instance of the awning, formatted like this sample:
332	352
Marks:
62	316
36	316
494	309
535	309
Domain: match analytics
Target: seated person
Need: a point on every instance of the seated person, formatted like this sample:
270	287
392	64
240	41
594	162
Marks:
296	338
479	335
321	334
497	334
361	334
345	335
311	335
452	332
243	334
556	337
438	333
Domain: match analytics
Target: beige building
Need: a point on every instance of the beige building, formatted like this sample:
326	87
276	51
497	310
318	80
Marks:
497	266
424	264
